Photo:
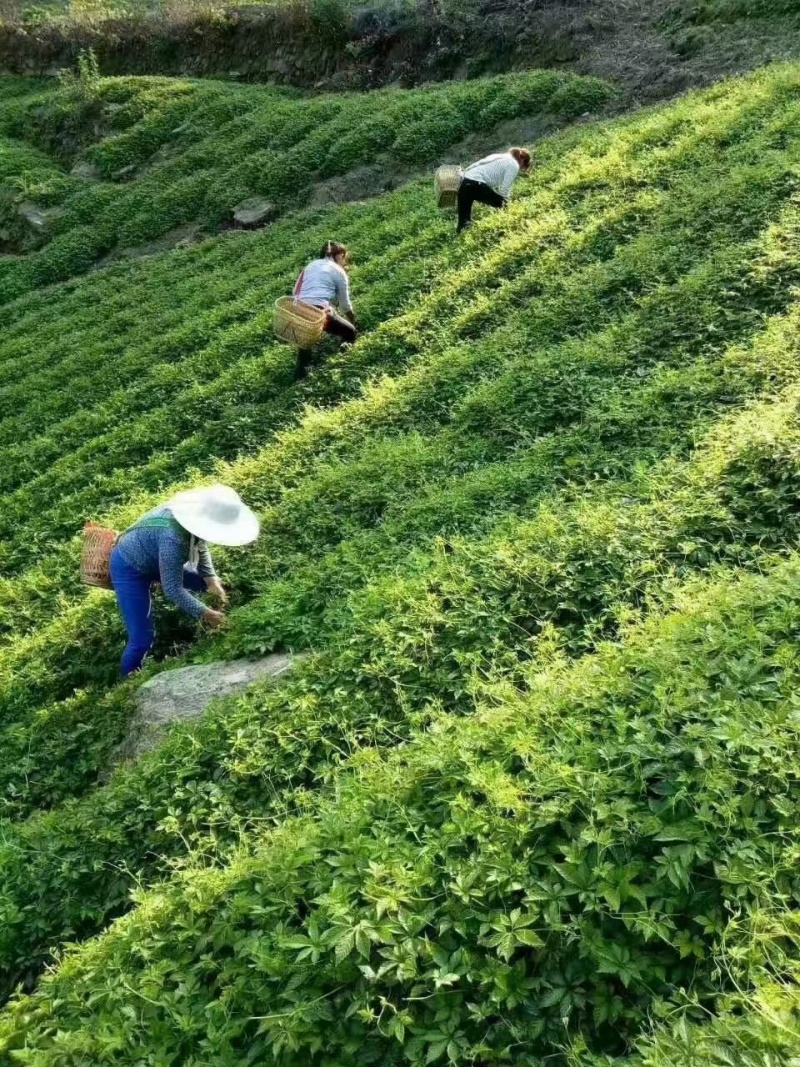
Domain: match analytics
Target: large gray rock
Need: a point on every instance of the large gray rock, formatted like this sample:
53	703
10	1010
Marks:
254	212
182	694
38	218
84	169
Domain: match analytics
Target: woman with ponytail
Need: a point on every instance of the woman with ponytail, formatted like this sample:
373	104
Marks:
323	282
489	182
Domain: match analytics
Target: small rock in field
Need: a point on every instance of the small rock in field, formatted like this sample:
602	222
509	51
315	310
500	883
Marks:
84	169
185	693
36	216
254	212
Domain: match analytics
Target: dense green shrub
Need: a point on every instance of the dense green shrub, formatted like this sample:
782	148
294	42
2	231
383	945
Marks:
477	606
749	1030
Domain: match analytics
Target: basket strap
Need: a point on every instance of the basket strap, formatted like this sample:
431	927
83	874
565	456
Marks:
298	285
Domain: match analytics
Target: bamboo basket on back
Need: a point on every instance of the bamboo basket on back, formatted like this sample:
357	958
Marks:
447	182
98	542
298	323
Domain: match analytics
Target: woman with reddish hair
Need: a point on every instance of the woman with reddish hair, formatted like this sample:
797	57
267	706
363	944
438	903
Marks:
322	283
489	181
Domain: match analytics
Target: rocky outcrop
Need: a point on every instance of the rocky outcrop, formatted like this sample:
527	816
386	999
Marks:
180	237
328	47
359	184
38	218
185	693
86	170
253	212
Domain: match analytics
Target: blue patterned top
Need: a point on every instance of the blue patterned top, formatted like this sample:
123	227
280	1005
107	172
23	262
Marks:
160	554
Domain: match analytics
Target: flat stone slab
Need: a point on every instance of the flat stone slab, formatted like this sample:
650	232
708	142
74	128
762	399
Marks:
84	169
254	211
185	693
38	217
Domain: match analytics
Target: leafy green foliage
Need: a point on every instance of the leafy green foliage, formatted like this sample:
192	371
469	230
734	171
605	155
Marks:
724	32
555	863
699	11
84	82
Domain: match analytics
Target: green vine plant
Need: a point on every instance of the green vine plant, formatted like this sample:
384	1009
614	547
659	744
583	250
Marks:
83	83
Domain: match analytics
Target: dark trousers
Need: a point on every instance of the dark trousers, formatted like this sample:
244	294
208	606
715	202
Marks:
468	193
334	325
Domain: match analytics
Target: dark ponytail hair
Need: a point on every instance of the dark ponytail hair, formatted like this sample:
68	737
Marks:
332	249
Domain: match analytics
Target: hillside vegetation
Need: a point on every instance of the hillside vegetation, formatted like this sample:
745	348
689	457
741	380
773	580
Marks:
651	49
532	795
732	34
166	153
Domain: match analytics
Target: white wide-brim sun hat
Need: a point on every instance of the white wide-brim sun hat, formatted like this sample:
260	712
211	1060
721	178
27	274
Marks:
215	513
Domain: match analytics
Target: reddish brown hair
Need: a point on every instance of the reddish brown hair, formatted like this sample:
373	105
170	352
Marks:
522	156
332	249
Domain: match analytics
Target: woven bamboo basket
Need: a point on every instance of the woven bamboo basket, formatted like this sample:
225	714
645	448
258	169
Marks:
98	541
298	323
447	181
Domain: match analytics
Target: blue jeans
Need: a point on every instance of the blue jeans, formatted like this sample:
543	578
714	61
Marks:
136	607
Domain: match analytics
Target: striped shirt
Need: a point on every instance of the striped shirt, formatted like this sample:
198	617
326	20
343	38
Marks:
160	553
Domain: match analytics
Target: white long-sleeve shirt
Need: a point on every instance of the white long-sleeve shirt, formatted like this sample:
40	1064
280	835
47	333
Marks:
322	283
498	171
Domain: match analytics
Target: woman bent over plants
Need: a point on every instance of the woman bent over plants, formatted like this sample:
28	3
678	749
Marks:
170	545
489	182
322	283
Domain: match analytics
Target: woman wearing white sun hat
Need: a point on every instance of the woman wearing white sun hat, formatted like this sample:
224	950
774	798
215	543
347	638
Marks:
170	545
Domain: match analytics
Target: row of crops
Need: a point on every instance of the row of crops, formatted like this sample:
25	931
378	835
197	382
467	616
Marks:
166	153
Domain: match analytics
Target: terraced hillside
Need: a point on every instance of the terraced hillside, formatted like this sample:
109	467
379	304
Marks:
113	165
532	796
